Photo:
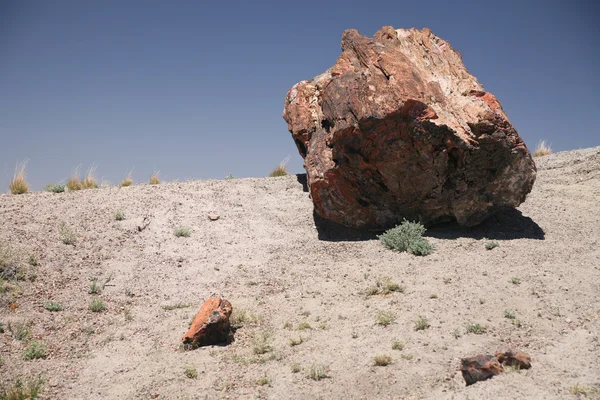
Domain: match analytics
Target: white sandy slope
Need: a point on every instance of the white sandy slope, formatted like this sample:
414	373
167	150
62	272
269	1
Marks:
267	256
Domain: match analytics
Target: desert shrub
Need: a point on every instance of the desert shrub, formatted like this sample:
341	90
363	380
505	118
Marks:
154	179
182	232
542	149
281	169
384	318
89	182
19	185
119	215
74	183
408	236
54	188
191	372
318	371
67	236
477	329
97	305
128	181
422	324
22	390
491	245
382	360
53	306
36	349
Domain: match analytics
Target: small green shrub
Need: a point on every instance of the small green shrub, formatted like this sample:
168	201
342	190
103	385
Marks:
515	281
476	329
53	306
191	372
119	215
67	236
263	381
385	318
97	305
303	326
20	330
54	188
318	371
382	360
295	367
491	245
422	324
94	287
182	232
509	314
36	349
296	341
397	345
408	236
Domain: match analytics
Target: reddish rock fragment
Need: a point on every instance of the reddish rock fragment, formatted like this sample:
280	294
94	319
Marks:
514	359
211	323
480	368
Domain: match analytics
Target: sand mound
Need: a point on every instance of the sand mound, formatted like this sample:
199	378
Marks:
538	292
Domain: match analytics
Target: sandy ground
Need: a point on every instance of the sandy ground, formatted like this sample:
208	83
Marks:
269	257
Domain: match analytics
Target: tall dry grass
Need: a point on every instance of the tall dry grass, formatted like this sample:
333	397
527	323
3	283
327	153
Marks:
89	182
154	179
542	149
19	185
281	169
74	183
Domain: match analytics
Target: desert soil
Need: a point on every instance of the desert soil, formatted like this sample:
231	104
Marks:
285	271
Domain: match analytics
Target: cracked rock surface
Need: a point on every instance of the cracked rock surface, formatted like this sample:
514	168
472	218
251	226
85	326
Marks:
398	128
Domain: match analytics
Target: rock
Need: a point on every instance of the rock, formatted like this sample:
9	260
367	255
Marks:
213	217
211	323
514	359
398	128
480	368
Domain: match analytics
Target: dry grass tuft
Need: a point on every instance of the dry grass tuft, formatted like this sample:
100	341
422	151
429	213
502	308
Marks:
19	185
542	149
154	179
281	170
89	182
128	181
74	183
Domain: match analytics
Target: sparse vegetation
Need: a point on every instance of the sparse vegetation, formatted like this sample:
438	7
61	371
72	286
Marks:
385	318
515	281
296	341
54	188
542	149
97	305
585	391
281	169
18	184
408	236
19	330
35	350
128	181
456	333
509	314
53	306
94	287
386	287
491	245
191	372
89	182
241	317
295	367
74	183
422	324
182	232
263	381
22	390
303	326
67	236
397	345
316	372
262	344
119	215
175	306
154	179
475	328
382	360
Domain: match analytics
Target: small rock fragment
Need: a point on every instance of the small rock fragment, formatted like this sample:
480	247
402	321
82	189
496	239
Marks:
213	216
211	323
514	359
480	368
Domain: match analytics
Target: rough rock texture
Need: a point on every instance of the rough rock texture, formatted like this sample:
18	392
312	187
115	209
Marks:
514	359
211	323
398	128
485	366
480	368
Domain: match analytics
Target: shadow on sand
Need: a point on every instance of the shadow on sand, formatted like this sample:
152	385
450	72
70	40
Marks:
505	225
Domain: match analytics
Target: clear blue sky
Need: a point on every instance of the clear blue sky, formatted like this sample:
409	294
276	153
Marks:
195	89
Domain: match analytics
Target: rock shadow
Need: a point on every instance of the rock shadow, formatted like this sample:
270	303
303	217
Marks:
504	225
303	180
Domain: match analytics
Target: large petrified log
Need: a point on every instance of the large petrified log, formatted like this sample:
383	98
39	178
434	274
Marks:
398	128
